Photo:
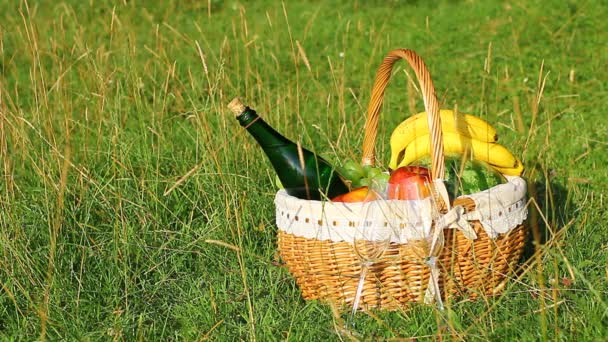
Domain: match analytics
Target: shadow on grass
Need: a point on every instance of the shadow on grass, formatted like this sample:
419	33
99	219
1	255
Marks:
550	209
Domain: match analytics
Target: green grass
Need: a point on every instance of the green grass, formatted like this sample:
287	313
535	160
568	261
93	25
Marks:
122	168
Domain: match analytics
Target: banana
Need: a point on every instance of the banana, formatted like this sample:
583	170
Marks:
492	153
464	124
514	171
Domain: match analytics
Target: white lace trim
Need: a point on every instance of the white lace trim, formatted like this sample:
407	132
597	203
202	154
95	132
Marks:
398	221
499	209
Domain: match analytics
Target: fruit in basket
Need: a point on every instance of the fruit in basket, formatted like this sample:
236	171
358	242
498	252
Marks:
352	171
462	124
361	194
371	172
464	176
359	176
494	154
409	183
379	183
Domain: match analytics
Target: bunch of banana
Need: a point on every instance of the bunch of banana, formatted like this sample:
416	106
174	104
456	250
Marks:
463	134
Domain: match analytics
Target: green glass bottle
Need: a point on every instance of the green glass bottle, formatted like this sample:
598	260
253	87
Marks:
307	178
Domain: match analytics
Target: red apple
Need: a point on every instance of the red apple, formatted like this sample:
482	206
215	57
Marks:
362	194
409	183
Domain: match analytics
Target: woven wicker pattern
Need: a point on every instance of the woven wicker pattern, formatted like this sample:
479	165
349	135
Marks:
331	270
393	275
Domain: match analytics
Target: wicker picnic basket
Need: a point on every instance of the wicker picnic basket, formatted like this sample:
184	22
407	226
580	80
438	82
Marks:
387	254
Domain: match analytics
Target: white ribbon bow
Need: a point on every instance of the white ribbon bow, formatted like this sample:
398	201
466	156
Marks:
455	218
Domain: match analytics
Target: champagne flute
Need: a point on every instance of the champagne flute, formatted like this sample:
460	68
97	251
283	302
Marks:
371	240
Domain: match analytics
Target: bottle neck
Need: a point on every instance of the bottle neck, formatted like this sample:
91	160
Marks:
263	133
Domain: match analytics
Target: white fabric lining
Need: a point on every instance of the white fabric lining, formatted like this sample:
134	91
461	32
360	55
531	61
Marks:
499	209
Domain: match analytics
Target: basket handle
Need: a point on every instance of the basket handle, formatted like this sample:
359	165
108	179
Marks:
431	106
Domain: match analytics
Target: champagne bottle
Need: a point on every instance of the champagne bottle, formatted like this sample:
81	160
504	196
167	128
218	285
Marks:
302	173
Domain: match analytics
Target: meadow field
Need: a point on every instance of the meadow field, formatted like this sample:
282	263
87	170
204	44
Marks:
134	207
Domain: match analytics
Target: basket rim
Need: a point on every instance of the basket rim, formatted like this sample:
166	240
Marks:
401	220
510	180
